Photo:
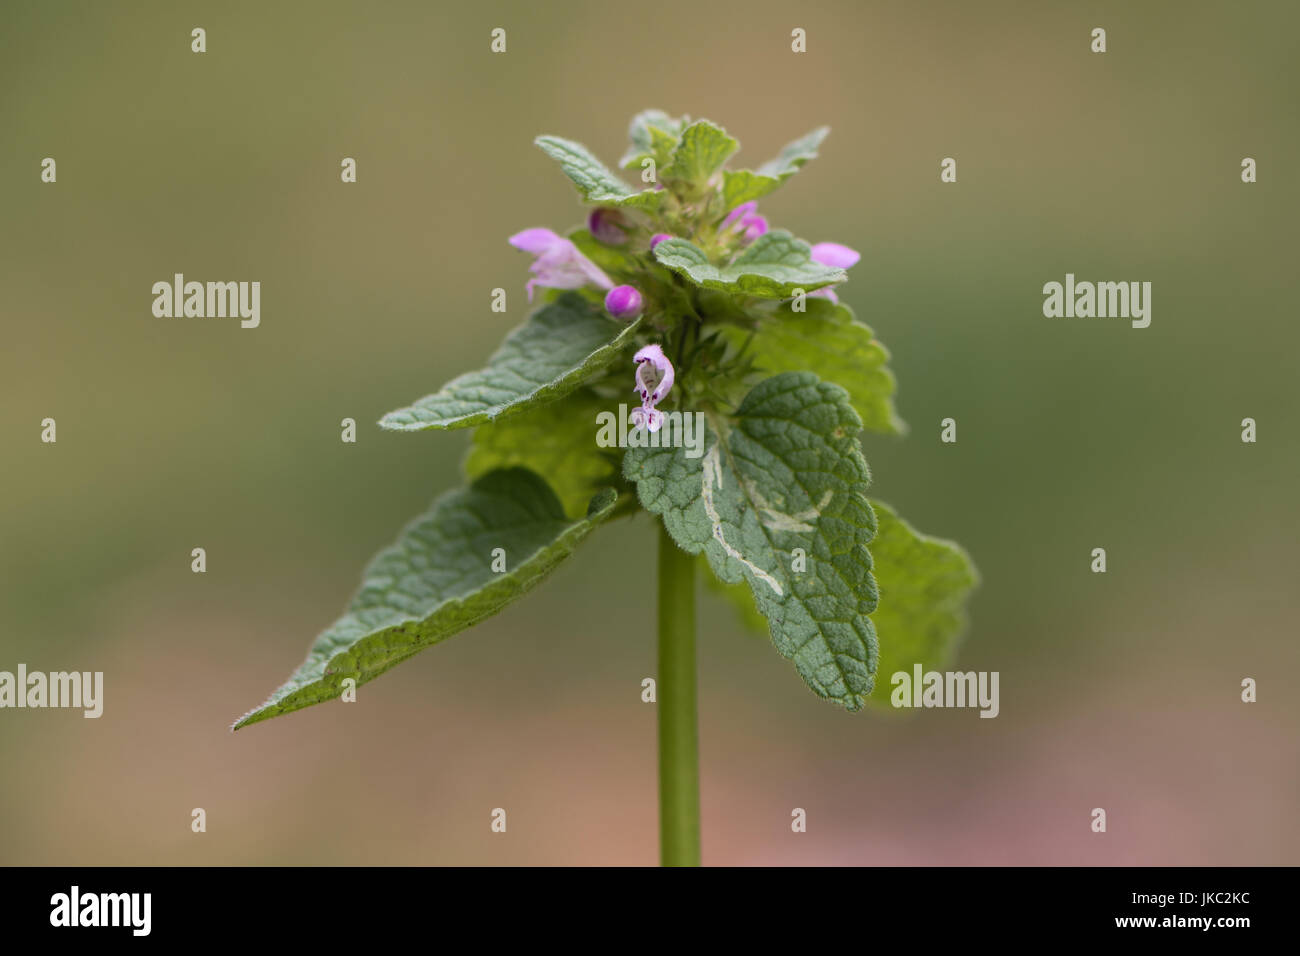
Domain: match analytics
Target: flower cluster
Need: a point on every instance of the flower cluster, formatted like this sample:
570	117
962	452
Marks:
631	233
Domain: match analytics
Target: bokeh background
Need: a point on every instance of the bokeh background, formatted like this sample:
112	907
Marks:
1118	690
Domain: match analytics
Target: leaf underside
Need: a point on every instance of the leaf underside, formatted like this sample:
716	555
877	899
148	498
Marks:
743	185
594	180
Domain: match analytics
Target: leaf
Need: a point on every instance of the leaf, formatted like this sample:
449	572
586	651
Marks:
771	267
829	339
786	474
737	595
557	440
742	185
593	179
924	584
552	353
437	580
703	149
652	133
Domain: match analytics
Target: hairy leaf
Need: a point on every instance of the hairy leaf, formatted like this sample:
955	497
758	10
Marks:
785	477
841	349
742	185
593	179
702	151
771	267
437	580
652	133
551	354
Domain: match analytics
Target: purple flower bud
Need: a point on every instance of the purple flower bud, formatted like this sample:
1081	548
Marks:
623	302
605	226
657	238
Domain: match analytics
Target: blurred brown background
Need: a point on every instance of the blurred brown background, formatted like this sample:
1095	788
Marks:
1118	690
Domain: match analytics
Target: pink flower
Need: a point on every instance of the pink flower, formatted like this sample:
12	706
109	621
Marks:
834	255
654	379
744	220
623	302
837	257
559	264
657	238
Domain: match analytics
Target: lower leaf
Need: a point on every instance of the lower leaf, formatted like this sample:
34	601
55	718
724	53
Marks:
475	551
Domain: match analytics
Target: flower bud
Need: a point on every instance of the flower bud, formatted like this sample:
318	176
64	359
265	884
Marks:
657	238
605	225
623	302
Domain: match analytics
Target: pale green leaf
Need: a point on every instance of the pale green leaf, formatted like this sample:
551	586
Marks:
828	339
742	185
557	440
924	585
785	476
773	266
702	151
652	133
437	580
552	353
614	261
593	179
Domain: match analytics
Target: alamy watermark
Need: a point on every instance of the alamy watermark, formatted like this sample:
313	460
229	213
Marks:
77	689
213	300
951	689
76	908
672	430
1102	300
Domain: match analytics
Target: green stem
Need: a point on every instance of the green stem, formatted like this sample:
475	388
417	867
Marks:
679	751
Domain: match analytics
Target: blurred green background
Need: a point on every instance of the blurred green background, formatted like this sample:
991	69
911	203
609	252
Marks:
1118	690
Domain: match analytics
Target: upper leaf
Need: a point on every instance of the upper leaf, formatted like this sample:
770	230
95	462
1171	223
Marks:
841	349
702	151
652	133
742	185
924	584
593	179
787	478
437	579
557	440
773	266
551	354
